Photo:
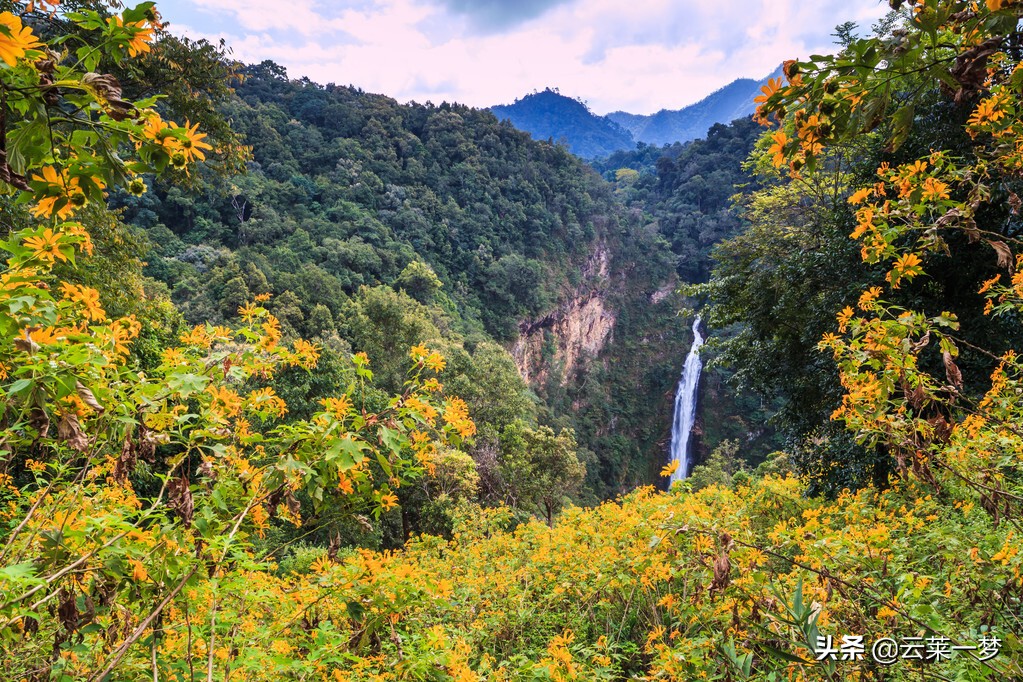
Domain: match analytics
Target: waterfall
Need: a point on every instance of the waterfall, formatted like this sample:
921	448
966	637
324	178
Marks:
685	407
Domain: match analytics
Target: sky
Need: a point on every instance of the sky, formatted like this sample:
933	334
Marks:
638	56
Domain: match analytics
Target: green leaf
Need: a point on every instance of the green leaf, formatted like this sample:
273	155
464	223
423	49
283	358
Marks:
784	655
20	571
19	386
138	13
902	124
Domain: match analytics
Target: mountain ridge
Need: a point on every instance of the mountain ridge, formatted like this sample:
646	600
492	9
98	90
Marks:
550	115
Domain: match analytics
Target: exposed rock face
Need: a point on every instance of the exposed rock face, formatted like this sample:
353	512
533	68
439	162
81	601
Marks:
663	292
576	330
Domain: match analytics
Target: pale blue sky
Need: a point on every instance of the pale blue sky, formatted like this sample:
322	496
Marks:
637	55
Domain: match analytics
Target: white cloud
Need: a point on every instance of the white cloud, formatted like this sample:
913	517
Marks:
638	56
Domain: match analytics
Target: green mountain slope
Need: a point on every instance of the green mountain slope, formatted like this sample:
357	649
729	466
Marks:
551	115
377	226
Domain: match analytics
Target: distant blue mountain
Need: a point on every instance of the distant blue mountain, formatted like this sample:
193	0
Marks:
549	114
733	101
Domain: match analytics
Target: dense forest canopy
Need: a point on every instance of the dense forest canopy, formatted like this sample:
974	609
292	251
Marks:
301	383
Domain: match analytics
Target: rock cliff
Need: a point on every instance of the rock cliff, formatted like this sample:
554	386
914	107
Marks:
577	329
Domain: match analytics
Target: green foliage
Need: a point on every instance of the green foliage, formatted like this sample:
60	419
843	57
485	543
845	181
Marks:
720	468
349	189
540	467
378	226
551	115
777	285
419	281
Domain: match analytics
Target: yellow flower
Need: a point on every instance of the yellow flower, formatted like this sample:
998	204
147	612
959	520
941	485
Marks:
306	354
62	195
778	148
908	266
345	485
456	415
425	409
248	311
138	571
159	131
321	565
197	336
265	400
988	110
338	407
46	247
15	39
435	361
868	297
885	612
193	145
670	468
388	501
76	230
988	283
225	402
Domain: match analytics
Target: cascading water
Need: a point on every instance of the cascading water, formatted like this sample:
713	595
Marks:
685	407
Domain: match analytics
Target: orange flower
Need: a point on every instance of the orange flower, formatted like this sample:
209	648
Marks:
338	407
778	148
860	195
225	402
844	317
86	296
139	36
868	297
935	190
773	86
907	266
265	400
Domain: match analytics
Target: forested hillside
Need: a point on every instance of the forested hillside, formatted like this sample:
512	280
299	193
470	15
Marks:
377	226
299	383
550	115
